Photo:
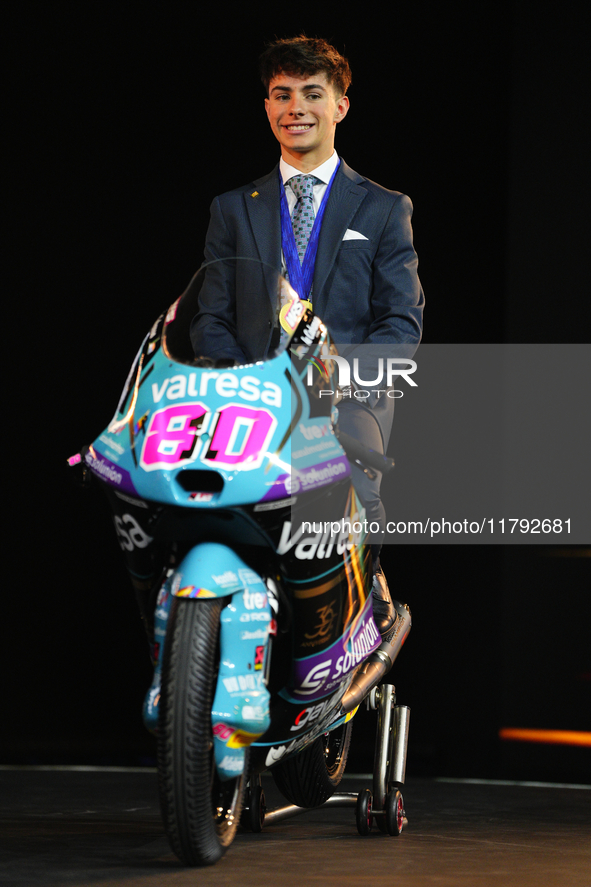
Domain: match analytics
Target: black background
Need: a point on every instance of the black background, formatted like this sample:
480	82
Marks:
125	120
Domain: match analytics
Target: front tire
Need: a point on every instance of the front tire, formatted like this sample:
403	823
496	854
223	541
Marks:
310	778
200	812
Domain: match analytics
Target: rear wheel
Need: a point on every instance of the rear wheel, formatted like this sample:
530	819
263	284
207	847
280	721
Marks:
310	778
200	811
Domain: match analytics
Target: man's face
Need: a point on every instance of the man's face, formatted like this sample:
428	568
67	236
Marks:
303	113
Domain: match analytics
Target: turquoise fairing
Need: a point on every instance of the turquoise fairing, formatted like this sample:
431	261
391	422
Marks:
177	417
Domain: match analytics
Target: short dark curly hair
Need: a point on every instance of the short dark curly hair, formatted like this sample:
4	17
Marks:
301	56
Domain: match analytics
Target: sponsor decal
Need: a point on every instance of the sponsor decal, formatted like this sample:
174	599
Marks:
305	479
130	533
232	737
259	657
323	630
243	682
254	713
249	577
311	330
317	675
315	678
229	762
259	635
113	444
139	503
254	599
225	384
201	497
294	312
225	579
109	472
277	752
312	432
329	444
310	714
254	617
321	544
222	731
271	506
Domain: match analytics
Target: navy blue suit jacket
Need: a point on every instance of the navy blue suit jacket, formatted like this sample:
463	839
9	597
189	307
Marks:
367	291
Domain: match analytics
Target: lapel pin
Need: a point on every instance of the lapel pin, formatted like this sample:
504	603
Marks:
255	194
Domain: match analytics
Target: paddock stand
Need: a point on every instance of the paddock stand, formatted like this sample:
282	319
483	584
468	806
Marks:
384	804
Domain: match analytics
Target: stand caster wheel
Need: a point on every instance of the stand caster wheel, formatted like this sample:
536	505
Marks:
257	809
394	812
254	809
363	814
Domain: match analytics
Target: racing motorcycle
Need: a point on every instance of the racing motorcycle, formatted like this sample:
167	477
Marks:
244	540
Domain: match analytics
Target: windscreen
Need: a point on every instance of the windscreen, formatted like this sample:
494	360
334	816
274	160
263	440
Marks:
234	311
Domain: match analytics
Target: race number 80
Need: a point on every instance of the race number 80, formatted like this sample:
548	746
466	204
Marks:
235	436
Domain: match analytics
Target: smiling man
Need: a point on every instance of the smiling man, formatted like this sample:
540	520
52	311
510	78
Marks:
303	113
344	242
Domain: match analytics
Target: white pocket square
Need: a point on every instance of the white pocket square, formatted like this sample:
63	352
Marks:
354	235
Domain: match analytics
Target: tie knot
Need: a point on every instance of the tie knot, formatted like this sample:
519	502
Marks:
302	186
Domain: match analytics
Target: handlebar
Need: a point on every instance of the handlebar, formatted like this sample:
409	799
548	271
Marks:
358	451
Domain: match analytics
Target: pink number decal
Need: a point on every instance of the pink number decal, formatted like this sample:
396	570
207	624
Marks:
172	435
241	436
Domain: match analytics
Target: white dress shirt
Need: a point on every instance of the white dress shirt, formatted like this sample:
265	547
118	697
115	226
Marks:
323	172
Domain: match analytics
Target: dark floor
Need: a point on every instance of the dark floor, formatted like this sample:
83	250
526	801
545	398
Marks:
69	827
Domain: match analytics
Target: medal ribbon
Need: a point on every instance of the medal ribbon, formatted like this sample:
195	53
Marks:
301	276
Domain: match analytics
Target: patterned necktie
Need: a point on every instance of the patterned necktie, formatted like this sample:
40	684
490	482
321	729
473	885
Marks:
302	217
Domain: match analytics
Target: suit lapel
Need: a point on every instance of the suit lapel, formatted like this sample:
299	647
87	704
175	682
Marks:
343	202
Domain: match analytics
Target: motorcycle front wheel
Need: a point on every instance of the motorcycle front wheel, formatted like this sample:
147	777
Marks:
200	812
310	778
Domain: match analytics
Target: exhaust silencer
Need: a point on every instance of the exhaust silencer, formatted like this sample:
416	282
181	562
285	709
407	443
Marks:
380	662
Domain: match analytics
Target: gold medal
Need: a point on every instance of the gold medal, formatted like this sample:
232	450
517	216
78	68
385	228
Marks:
290	314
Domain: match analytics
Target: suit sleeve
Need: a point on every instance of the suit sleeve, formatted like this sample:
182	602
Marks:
213	329
396	297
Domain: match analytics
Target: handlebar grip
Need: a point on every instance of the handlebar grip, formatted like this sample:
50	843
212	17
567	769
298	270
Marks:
370	458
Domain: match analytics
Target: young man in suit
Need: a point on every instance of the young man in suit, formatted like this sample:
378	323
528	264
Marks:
354	245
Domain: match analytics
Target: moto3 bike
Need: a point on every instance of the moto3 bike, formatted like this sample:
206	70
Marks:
244	540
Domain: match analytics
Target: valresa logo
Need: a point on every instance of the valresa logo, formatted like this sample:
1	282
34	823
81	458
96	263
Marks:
227	384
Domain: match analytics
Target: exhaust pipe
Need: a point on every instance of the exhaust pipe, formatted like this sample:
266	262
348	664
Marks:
380	662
